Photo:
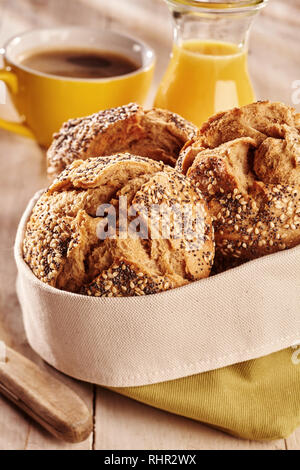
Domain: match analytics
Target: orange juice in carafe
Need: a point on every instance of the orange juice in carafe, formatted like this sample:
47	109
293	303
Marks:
208	69
205	77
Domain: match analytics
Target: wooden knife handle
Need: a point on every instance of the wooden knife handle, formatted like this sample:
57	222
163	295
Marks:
47	400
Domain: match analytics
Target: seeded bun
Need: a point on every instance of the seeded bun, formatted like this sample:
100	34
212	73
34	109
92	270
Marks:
156	134
63	248
246	163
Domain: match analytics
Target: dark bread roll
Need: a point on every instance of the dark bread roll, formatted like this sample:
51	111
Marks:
156	134
62	244
246	162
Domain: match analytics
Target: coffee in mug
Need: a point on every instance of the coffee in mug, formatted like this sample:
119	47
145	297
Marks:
79	63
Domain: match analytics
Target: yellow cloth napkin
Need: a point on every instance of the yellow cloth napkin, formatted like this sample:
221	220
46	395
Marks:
257	399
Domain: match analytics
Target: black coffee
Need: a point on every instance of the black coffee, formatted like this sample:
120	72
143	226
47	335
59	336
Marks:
79	63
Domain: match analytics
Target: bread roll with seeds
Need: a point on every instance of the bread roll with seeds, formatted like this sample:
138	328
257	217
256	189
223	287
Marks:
63	244
156	133
257	120
251	183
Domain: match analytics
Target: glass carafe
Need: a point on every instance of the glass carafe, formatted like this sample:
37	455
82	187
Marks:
208	70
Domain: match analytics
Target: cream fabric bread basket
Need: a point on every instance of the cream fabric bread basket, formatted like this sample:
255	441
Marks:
242	314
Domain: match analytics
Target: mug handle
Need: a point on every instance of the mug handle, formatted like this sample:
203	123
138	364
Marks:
10	79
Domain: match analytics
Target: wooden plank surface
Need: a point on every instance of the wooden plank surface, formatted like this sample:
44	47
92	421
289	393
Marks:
120	423
132	425
293	442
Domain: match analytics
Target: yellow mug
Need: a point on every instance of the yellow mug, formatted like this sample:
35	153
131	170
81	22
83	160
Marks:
45	101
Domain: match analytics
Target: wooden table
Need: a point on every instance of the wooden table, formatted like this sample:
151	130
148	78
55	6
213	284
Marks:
120	423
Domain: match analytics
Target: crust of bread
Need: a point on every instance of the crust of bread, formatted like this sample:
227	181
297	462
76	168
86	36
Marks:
249	173
257	120
156	134
63	247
